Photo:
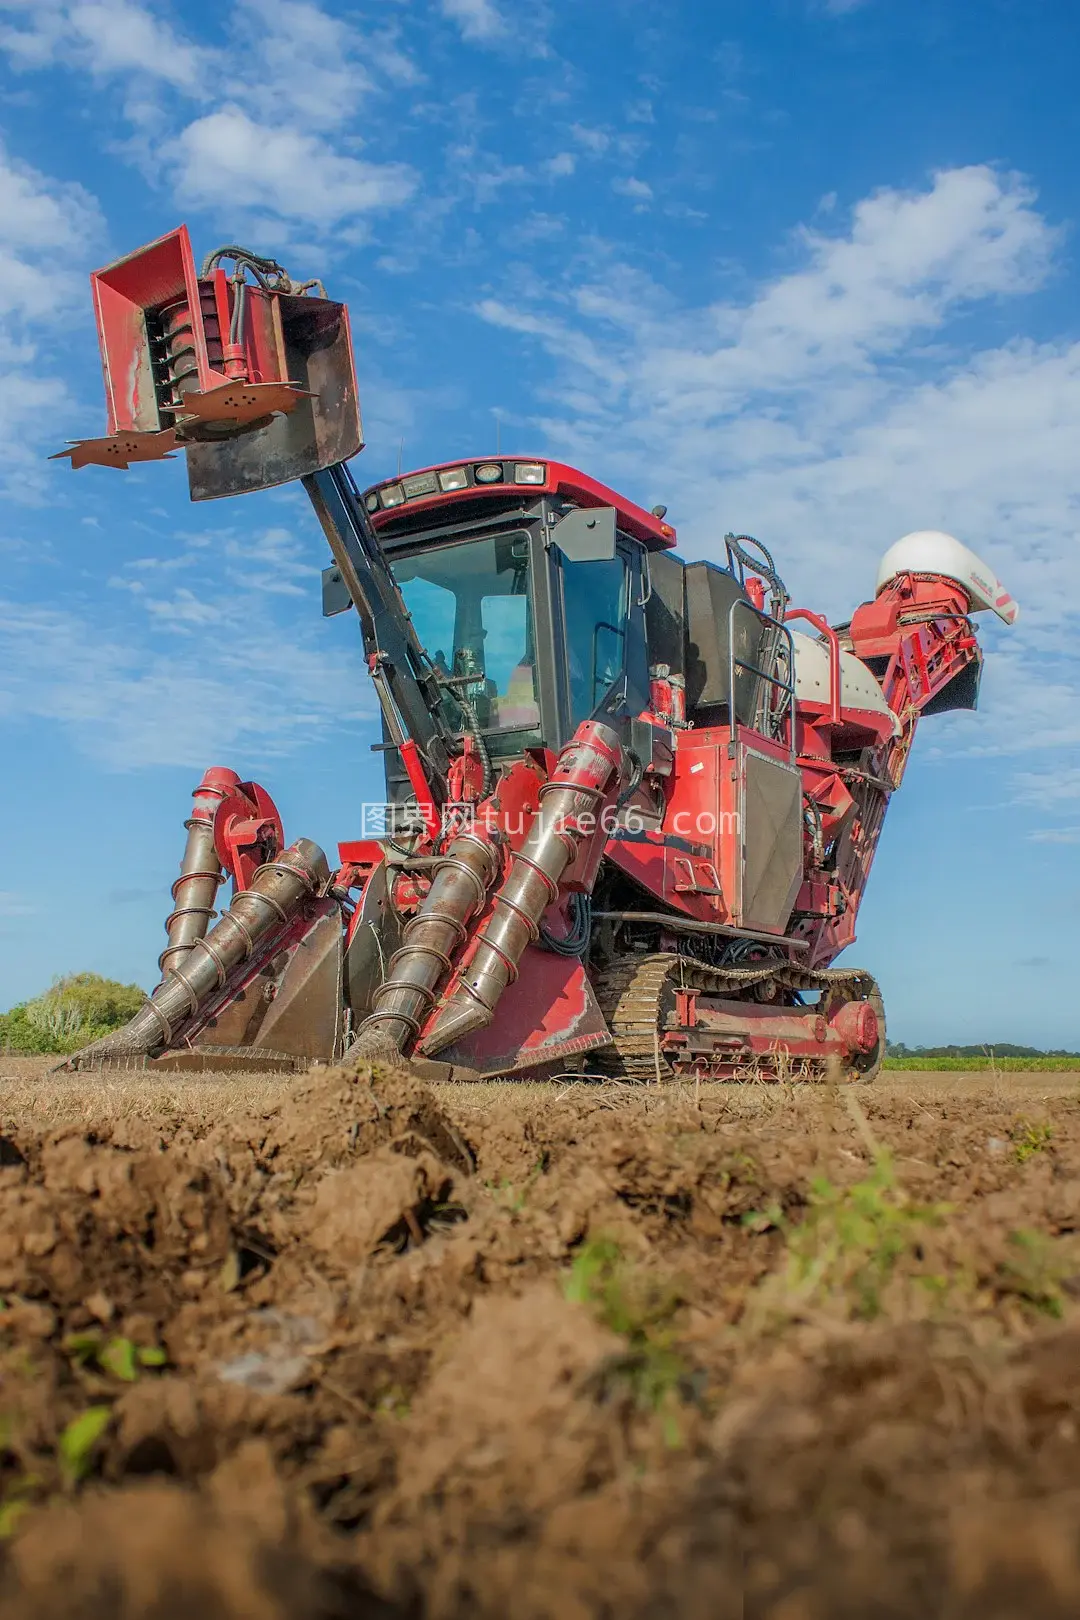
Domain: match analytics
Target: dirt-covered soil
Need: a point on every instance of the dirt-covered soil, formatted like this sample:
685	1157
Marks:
363	1348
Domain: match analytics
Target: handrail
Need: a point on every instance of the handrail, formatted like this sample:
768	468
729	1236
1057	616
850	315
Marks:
826	629
786	686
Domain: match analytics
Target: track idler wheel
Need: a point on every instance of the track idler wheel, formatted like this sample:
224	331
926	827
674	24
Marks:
860	1021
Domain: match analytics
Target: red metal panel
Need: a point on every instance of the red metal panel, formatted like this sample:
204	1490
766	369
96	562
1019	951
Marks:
264	342
547	1015
157	274
693	821
125	362
691	863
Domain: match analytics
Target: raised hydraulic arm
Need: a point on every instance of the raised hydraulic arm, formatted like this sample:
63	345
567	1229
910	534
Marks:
409	691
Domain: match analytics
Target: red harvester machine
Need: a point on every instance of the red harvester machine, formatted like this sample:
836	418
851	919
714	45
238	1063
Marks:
632	802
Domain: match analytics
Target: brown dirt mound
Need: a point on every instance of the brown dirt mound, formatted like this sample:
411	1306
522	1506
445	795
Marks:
374	1351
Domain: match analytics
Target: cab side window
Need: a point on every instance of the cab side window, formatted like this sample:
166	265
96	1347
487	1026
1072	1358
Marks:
596	598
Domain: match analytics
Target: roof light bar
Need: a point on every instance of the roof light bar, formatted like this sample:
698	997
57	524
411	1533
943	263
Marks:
420	484
448	480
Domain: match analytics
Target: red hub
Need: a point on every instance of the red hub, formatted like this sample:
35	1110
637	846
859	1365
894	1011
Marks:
856	1023
247	831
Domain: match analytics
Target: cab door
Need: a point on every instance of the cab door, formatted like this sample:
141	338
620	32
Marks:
603	659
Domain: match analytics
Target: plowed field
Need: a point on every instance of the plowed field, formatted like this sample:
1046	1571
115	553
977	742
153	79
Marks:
349	1346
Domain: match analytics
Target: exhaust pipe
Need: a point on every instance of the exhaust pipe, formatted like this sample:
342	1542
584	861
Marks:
458	891
195	890
583	776
277	891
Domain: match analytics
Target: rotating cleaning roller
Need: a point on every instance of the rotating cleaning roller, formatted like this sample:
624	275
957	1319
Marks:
586	772
458	891
277	892
195	890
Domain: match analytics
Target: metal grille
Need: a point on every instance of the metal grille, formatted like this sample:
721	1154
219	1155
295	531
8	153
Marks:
772	861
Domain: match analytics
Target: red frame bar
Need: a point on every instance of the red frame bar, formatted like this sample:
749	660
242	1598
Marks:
822	624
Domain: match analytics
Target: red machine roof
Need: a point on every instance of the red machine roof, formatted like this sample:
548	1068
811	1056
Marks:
561	480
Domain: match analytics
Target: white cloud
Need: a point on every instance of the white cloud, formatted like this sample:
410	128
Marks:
121	37
273	562
813	415
285	55
15	905
106	37
785	379
43	214
638	191
538	227
1049	788
288	75
478	19
561	165
46	227
558	338
314	65
223	662
280	171
595	141
907	262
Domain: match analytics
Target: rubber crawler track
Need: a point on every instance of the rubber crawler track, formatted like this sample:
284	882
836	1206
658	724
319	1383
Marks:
631	999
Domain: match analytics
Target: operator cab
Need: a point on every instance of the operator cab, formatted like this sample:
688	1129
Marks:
526	584
543	598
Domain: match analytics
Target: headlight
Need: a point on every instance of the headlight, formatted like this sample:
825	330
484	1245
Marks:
456	478
420	484
372	501
530	472
392	495
489	472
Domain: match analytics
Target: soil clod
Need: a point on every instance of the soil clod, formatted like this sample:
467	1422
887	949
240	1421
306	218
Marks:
377	1349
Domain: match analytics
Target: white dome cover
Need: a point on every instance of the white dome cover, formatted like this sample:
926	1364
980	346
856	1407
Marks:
858	687
929	551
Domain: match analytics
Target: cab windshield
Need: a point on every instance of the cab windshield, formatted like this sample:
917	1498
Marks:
471	606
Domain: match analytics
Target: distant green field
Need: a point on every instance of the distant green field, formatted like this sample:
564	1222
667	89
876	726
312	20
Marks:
975	1065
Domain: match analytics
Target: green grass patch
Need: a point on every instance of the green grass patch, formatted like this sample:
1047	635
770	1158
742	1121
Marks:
847	1247
1034	1272
984	1065
75	1457
20	1488
118	1357
642	1311
78	1441
1029	1137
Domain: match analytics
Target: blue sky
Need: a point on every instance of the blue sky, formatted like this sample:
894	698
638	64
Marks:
801	268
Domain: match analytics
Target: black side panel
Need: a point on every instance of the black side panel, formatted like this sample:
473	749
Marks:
962	691
711	593
665	612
